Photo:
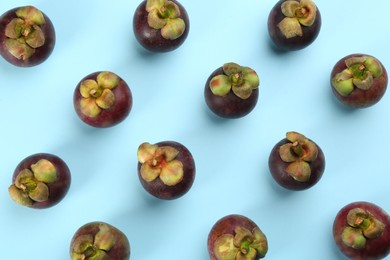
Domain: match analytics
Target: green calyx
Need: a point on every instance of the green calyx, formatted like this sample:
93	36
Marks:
362	226
298	152
31	185
243	245
241	80
165	15
297	14
160	162
94	247
24	33
97	95
360	73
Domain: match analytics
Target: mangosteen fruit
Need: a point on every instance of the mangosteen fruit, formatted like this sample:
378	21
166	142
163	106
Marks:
232	91
236	237
161	25
102	99
294	24
166	169
359	80
361	231
296	162
40	181
99	240
27	36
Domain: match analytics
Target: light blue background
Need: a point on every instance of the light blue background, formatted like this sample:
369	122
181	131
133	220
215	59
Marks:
231	155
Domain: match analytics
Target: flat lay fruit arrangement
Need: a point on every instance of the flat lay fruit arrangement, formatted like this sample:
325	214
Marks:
166	129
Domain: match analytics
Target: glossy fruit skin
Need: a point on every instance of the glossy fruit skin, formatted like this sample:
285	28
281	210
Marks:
150	38
375	249
294	43
59	188
227	225
229	106
120	250
162	191
41	54
108	117
360	98
277	168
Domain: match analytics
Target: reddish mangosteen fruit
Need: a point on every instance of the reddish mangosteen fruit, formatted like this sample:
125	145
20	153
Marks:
166	169
296	162
102	99
294	24
359	80
236	237
40	181
161	25
99	240
27	36
231	91
361	231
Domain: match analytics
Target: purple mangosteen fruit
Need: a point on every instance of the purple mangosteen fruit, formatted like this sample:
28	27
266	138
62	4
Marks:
99	240
296	162
361	231
160	25
236	237
40	181
232	91
166	169
359	80
27	36
294	24
102	99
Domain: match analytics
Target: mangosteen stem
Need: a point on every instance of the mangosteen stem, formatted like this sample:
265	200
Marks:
28	185
164	13
154	162
362	222
358	70
26	32
89	251
301	12
245	247
297	149
236	77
